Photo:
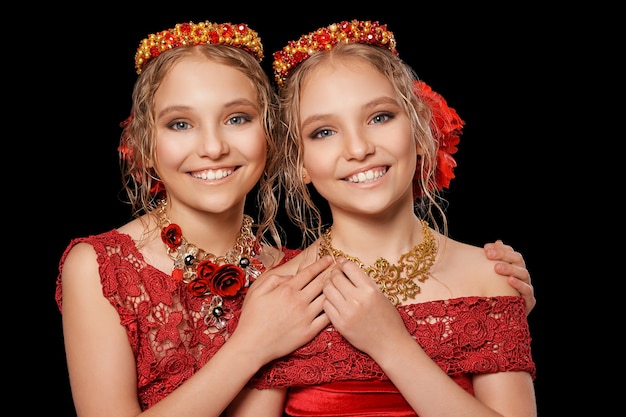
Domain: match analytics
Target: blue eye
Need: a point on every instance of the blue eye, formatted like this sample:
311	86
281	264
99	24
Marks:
238	120
178	125
322	133
381	118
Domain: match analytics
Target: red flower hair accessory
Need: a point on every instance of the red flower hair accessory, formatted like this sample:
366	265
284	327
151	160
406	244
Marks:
185	34
446	127
323	39
126	153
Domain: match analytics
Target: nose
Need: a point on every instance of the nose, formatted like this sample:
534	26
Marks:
357	145
212	143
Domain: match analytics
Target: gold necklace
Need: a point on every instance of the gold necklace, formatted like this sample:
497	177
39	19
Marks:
207	274
398	279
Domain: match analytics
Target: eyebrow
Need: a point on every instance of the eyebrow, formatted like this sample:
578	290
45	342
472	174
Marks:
233	103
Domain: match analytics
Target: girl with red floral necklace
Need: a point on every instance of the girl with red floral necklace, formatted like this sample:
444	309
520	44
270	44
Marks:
420	323
150	308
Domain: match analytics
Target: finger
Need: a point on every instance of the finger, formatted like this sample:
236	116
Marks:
320	322
337	286
525	291
331	299
344	281
494	247
305	278
522	287
316	305
350	270
500	252
514	271
267	282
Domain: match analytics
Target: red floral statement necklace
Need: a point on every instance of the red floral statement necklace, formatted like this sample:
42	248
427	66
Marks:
209	275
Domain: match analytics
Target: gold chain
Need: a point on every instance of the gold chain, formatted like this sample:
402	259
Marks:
398	279
187	256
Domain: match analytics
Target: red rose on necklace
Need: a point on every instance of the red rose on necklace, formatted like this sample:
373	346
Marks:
224	280
199	287
206	269
172	236
204	272
228	280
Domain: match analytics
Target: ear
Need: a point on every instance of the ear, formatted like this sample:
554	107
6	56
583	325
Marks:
305	176
418	149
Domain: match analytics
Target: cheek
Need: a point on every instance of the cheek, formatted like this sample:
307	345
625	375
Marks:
169	154
407	147
318	161
255	150
410	158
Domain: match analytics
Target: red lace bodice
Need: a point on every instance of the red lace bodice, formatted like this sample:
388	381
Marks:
464	336
162	319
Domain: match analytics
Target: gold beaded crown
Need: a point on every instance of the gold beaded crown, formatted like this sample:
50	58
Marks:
323	39
186	34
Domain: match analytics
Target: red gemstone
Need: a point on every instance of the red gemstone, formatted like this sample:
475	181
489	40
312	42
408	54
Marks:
185	28
177	274
227	31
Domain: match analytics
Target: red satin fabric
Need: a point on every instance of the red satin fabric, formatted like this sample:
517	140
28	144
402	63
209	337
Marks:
347	398
353	398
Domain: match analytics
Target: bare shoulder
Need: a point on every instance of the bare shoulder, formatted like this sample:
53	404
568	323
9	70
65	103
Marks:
302	260
80	277
80	260
139	228
80	265
270	256
467	268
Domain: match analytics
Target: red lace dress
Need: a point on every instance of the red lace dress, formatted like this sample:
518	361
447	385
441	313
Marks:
162	319
465	336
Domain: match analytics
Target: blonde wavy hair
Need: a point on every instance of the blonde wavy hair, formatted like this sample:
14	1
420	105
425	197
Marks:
299	204
137	147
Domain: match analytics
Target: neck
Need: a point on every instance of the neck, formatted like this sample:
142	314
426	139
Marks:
214	232
374	238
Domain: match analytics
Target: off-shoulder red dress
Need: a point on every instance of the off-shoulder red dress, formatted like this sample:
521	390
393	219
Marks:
464	336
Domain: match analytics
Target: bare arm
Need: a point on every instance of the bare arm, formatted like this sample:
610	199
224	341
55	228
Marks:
361	312
102	365
366	318
250	401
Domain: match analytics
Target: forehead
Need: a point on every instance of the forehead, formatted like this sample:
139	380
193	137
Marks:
198	76
343	81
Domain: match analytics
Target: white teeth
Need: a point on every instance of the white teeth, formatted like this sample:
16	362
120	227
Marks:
366	176
213	175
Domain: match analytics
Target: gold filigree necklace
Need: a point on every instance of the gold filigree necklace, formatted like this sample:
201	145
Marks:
210	275
399	279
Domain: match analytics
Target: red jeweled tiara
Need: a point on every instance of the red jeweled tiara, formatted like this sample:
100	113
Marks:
237	35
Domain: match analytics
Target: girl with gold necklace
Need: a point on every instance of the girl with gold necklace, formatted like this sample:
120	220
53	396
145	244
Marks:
420	323
150	308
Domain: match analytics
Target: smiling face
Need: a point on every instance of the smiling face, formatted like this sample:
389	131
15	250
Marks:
210	141
358	147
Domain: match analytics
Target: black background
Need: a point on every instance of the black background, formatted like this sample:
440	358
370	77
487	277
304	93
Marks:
501	69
